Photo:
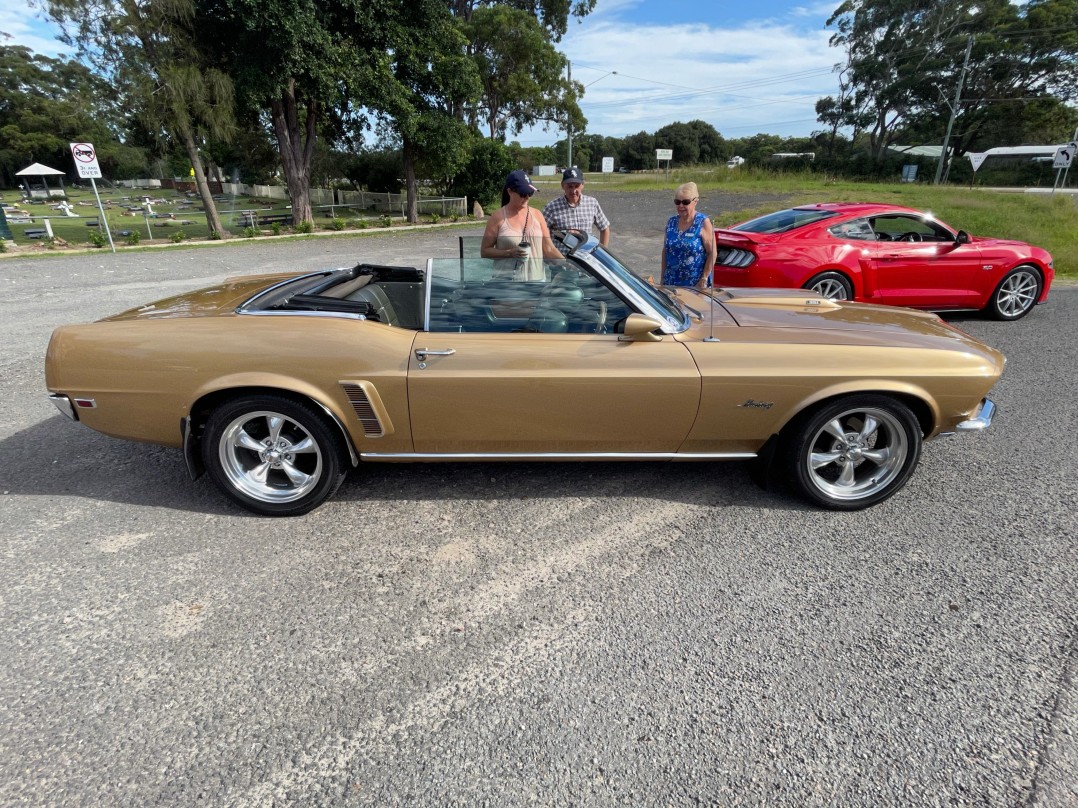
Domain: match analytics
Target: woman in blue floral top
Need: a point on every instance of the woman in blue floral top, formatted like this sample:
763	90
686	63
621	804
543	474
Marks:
689	249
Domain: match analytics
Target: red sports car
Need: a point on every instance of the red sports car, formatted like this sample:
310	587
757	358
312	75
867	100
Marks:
884	254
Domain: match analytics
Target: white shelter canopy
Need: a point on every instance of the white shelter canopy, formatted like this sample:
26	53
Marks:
43	171
39	170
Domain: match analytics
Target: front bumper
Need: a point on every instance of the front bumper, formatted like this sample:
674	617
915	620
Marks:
981	420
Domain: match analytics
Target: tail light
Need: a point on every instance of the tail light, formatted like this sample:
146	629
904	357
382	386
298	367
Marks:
734	257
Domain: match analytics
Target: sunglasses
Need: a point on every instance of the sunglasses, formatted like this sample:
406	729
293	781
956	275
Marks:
526	195
684	201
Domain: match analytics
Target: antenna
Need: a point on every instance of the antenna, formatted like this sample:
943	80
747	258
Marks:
711	293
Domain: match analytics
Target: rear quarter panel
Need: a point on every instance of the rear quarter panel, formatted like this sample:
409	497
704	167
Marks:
145	375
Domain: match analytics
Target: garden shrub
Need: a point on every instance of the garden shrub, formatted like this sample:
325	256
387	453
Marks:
132	239
177	237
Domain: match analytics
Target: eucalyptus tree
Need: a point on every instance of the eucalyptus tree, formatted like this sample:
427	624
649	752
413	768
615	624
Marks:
310	67
524	77
47	103
147	48
905	59
552	15
431	75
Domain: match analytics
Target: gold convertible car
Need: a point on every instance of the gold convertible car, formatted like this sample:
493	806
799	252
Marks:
276	385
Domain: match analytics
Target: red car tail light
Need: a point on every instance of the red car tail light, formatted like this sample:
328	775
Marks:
734	257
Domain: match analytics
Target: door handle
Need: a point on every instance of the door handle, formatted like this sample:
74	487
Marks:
890	256
422	353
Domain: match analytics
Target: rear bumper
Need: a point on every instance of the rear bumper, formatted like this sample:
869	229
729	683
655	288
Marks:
64	405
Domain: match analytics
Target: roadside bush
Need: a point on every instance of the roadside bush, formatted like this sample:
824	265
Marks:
97	239
177	237
275	228
132	239
361	224
3	245
336	223
385	221
249	232
305	227
214	236
435	218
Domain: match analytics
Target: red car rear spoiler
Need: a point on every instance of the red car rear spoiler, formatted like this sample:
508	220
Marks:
735	237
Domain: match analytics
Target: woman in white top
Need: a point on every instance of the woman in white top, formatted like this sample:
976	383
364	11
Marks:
517	236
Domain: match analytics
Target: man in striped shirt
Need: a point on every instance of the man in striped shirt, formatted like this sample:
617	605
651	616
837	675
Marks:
574	211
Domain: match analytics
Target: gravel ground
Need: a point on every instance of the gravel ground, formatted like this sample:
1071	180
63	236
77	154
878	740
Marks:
534	634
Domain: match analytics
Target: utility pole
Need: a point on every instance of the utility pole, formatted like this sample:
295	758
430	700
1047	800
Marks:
568	120
954	112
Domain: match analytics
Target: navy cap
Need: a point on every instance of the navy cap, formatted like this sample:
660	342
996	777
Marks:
573	174
518	181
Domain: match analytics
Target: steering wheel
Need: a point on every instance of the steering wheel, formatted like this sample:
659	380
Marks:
910	236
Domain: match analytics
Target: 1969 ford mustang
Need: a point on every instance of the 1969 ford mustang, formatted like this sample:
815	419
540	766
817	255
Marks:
276	385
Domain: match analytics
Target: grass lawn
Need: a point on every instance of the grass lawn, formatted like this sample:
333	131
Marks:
177	217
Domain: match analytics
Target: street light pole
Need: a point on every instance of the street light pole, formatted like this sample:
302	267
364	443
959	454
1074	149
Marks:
568	120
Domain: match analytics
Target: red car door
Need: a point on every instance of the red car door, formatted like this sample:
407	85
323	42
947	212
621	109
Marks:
919	263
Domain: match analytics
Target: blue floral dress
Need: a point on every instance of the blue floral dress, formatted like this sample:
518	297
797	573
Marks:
685	254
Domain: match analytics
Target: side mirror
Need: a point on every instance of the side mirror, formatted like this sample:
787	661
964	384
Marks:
962	237
639	328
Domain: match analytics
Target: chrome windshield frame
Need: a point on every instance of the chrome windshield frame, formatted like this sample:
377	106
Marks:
585	253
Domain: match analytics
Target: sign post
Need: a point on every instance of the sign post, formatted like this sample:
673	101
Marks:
86	162
1064	156
664	154
976	159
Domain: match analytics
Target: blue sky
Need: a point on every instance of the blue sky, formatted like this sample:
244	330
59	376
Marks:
744	67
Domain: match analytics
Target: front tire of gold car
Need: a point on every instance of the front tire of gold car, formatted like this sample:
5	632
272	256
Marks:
853	452
272	455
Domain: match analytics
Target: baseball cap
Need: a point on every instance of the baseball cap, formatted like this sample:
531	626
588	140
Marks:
573	174
518	181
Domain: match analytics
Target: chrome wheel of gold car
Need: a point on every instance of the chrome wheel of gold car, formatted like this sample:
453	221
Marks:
854	452
272	455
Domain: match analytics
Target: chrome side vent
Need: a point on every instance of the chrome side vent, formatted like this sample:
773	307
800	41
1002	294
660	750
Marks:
360	402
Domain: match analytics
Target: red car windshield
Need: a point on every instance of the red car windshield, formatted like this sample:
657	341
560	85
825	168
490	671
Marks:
785	220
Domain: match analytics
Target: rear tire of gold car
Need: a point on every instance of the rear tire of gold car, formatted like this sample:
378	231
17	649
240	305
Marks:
273	455
852	452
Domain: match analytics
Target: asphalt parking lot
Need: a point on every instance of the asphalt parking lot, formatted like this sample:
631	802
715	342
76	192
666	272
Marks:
534	634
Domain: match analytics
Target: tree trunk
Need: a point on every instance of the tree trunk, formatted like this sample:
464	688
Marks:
213	219
410	184
296	146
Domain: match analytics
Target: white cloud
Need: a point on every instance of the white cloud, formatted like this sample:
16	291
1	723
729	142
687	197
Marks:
29	28
743	80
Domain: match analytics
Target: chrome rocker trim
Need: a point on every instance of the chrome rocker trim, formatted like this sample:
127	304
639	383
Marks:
480	456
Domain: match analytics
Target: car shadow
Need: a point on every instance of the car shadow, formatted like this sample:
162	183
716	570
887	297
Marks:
59	458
